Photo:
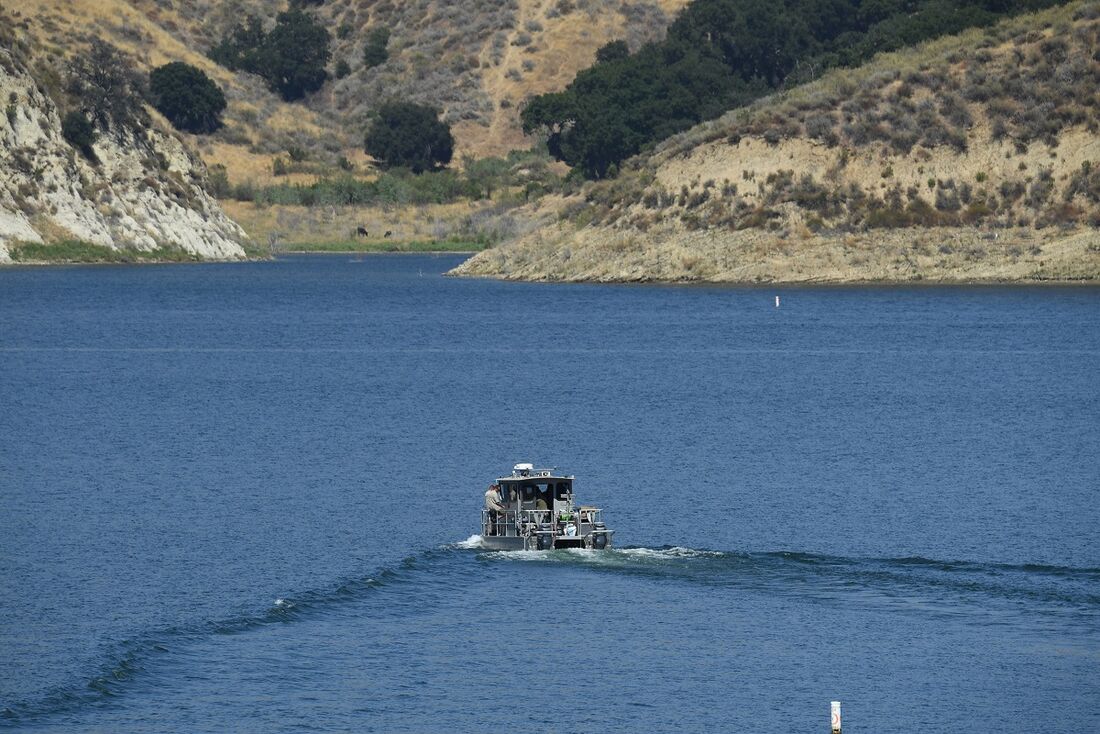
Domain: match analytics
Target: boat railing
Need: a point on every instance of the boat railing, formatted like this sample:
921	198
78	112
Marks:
511	523
503	525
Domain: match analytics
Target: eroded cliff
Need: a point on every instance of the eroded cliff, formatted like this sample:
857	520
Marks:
140	190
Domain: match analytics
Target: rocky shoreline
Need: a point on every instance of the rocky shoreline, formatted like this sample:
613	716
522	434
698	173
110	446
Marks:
940	255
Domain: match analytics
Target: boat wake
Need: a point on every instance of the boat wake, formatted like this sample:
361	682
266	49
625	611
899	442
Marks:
923	585
908	584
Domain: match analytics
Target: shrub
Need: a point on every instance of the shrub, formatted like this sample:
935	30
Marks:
375	53
79	131
1040	189
342	69
821	127
409	135
190	100
217	182
947	200
1085	182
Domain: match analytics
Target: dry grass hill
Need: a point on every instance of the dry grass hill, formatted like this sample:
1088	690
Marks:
970	158
477	59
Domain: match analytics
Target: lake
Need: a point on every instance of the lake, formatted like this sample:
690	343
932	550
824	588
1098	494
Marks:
240	497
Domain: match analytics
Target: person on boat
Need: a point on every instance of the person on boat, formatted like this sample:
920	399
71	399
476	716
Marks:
495	505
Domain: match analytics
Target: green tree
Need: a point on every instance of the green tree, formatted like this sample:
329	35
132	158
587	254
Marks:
291	58
238	49
187	97
409	135
486	174
375	52
294	55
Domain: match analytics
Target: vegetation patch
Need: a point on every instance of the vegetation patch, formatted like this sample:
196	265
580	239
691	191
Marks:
722	54
78	251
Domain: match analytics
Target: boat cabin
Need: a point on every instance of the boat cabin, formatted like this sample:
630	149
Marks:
540	513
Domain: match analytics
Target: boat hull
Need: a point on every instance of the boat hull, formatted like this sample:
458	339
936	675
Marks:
515	543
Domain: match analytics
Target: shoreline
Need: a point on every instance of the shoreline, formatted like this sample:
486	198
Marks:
565	253
14	264
794	285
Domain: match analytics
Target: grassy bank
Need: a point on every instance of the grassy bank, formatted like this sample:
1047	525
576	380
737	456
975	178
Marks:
457	226
76	251
364	246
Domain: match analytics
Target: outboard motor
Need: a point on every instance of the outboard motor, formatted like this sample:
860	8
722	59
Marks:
545	538
599	536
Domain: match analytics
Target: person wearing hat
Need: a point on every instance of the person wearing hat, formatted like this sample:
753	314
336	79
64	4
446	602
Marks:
494	504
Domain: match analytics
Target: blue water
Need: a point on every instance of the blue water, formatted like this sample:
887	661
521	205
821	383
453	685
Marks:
239	497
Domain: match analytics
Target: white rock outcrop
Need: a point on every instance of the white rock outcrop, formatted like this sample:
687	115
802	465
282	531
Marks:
144	193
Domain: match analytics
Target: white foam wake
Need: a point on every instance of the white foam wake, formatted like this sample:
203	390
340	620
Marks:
473	542
676	552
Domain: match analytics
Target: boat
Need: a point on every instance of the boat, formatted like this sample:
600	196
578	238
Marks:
539	513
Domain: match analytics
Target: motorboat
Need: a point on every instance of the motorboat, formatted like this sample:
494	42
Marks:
538	512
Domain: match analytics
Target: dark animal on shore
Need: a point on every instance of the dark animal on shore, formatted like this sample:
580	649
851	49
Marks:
361	232
388	233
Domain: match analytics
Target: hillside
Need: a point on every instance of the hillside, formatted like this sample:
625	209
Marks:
475	59
136	189
971	158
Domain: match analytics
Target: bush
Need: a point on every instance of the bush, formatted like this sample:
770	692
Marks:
79	131
375	53
409	135
342	69
190	99
217	182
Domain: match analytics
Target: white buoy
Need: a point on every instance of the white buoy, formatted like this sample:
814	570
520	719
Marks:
836	717
777	301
